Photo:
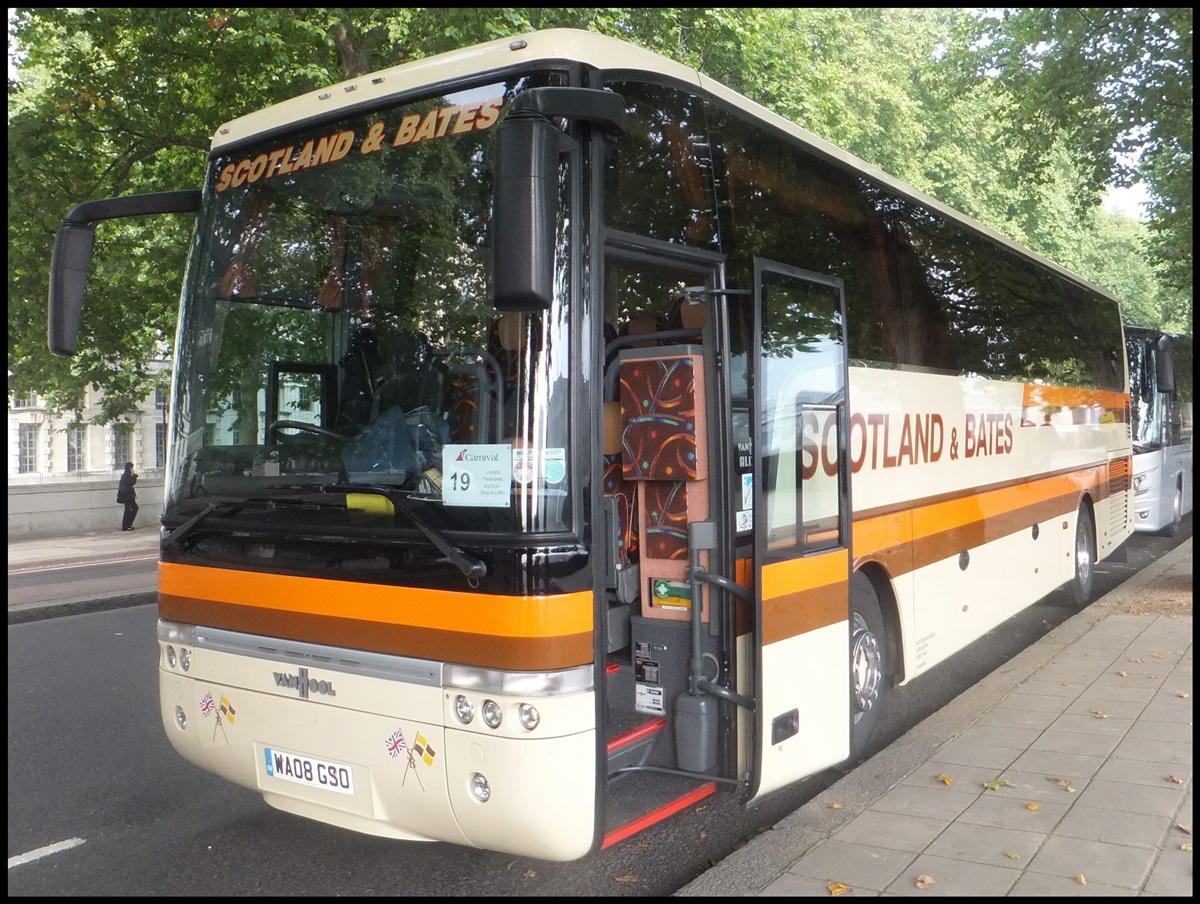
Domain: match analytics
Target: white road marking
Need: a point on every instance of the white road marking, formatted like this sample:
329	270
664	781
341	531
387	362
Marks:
44	852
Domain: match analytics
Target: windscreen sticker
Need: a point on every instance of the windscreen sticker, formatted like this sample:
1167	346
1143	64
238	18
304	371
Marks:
554	465
745	517
523	466
477	474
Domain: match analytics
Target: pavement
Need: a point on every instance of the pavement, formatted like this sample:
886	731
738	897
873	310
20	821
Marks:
1066	772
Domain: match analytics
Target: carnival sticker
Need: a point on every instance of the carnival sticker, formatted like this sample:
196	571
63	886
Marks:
477	474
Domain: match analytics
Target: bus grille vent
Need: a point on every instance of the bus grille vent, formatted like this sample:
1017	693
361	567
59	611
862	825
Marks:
1118	493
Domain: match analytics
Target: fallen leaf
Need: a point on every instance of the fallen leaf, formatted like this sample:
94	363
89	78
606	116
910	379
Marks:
1100	715
998	784
1060	783
1184	694
1079	879
703	835
1185	827
1186	846
1012	855
1157	655
924	881
1175	779
1123	673
1135	658
627	878
835	806
944	778
530	874
1031	806
837	888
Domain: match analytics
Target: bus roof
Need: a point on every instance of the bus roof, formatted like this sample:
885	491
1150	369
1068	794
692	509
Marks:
610	56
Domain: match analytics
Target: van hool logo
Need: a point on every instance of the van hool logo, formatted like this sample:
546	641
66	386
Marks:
305	685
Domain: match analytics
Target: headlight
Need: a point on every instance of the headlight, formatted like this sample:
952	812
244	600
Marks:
480	788
492	714
185	658
529	716
464	709
171	660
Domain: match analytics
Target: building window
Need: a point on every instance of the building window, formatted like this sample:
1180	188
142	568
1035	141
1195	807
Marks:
160	445
75	446
122	446
25	401
27	451
160	398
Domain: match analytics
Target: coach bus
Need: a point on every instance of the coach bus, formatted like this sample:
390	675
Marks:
558	438
1160	393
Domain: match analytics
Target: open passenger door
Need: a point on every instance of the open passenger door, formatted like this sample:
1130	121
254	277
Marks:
802	523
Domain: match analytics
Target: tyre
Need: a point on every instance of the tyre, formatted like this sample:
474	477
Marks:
1081	585
868	663
1172	529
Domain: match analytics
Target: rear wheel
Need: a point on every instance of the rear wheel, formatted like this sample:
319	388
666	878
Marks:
1080	588
868	663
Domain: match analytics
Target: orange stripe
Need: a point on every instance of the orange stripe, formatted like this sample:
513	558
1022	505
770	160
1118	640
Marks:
912	535
1037	395
515	633
477	613
802	595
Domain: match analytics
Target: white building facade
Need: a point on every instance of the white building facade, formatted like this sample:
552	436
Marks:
63	471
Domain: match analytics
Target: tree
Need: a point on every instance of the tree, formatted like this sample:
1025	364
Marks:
100	108
1114	85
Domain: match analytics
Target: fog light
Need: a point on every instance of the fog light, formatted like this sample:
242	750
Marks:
529	716
464	709
180	717
171	661
492	714
480	788
185	658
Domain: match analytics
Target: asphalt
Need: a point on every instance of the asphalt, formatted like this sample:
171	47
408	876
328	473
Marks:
1067	771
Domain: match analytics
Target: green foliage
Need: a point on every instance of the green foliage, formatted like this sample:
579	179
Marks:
1114	85
1017	119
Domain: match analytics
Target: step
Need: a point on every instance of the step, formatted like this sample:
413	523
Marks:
632	747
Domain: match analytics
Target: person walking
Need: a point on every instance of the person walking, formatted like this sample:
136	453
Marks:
127	496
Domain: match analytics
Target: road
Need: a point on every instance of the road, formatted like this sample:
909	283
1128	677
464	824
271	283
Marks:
90	770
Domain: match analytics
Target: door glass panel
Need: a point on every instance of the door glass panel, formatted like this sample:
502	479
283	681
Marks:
803	406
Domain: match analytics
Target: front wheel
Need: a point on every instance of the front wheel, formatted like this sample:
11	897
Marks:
868	663
1080	588
1172	529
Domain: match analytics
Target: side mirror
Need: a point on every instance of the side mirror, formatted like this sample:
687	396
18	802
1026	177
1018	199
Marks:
68	279
1164	363
525	198
73	254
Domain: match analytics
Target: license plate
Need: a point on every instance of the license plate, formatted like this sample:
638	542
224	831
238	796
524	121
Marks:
304	770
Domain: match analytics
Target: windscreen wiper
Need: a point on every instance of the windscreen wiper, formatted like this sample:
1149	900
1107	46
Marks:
470	566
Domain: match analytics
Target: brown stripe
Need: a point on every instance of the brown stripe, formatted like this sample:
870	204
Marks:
903	538
819	598
486	651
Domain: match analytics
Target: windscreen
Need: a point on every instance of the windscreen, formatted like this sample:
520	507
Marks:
340	363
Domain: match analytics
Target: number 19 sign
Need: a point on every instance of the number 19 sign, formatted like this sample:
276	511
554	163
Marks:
477	474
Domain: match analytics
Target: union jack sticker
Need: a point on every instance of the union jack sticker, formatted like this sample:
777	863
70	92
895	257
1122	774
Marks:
396	743
206	704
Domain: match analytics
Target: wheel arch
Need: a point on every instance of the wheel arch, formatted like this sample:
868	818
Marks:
889	608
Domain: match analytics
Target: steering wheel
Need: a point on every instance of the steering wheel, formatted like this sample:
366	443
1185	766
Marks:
275	426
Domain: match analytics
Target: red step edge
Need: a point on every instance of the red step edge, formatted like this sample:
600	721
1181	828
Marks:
655	816
636	734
